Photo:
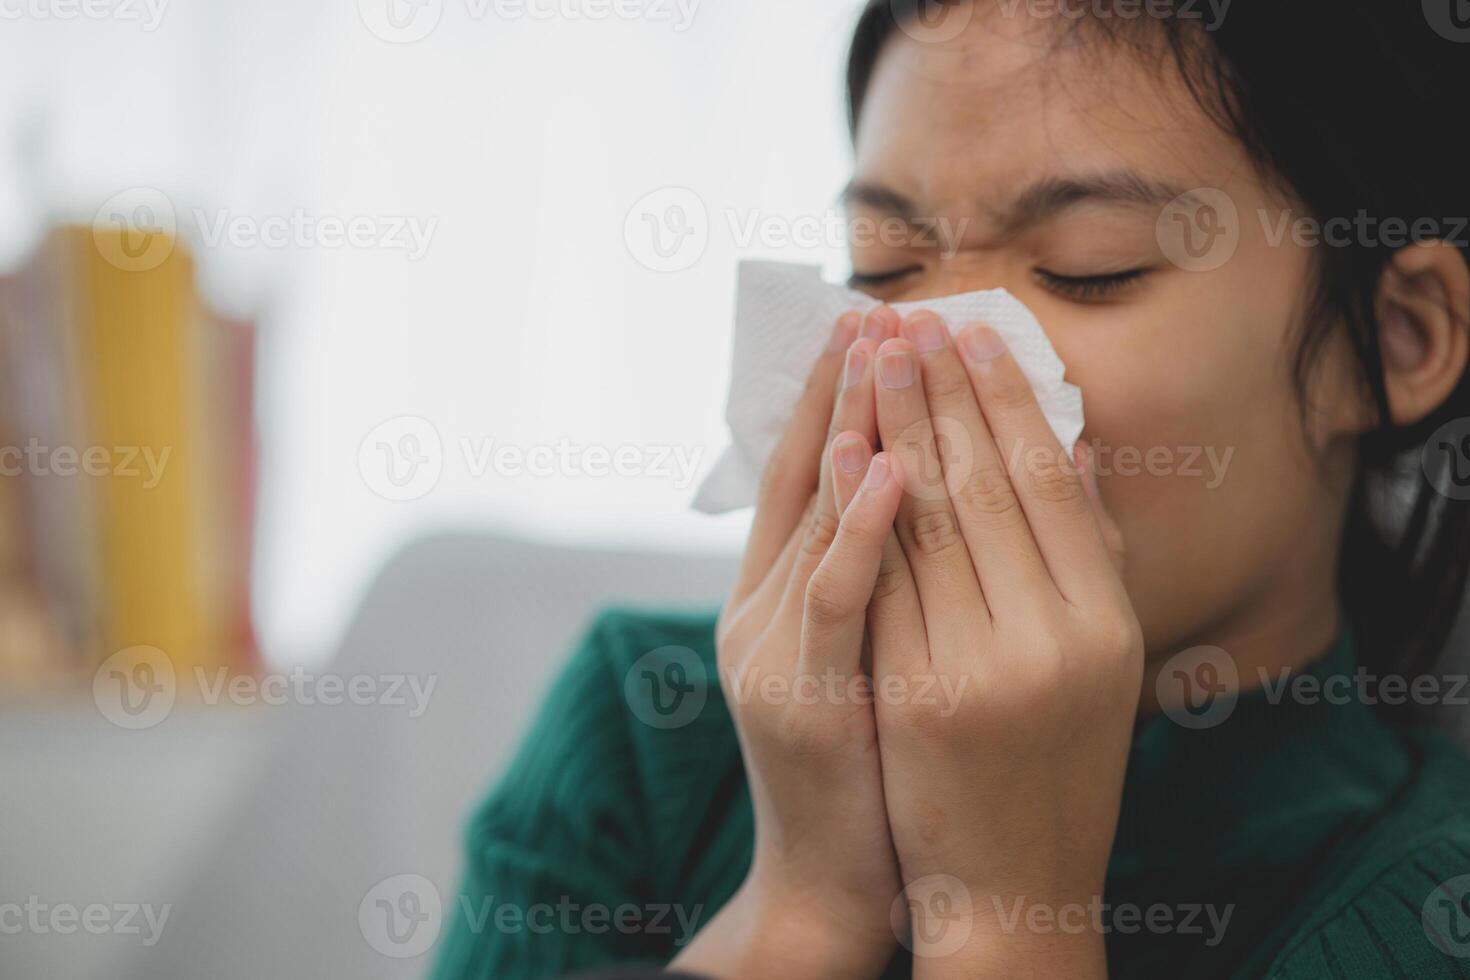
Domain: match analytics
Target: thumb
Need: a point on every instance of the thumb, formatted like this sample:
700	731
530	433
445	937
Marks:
1086	462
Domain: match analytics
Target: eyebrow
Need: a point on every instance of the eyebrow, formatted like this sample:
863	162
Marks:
1040	201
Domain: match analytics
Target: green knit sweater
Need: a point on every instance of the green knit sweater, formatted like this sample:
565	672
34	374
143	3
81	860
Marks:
1299	839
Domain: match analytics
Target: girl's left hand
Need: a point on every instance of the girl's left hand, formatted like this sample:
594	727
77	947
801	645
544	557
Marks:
1007	662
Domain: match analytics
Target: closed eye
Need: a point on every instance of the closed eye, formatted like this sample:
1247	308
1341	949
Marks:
1089	287
869	280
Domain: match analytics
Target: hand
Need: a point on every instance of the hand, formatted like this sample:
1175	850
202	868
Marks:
790	643
1001	581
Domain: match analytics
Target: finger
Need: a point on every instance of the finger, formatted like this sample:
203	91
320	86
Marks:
851	452
895	621
853	410
1007	561
791	475
836	596
879	324
1046	482
948	588
1086	461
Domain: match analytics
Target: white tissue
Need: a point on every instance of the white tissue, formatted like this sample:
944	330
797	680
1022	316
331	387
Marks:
784	315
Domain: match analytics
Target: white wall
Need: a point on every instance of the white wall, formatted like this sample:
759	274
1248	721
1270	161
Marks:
529	321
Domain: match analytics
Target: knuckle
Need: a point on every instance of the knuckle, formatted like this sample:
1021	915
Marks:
821	530
1056	484
857	536
989	492
825	605
890	580
936	532
948	383
1121	634
801	738
1008	392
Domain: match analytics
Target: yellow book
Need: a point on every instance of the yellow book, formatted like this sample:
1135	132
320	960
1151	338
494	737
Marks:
139	355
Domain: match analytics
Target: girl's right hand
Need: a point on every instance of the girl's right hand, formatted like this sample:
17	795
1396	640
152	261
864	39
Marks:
790	650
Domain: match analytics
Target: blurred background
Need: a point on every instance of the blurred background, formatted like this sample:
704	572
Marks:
353	353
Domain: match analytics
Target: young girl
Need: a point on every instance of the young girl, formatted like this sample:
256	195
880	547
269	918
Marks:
982	705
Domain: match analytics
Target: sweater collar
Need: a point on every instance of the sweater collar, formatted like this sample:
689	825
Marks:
1214	787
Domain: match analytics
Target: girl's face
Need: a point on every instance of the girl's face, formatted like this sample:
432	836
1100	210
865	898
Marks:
1052	168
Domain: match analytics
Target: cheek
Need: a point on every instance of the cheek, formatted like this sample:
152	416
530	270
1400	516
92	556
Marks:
1190	413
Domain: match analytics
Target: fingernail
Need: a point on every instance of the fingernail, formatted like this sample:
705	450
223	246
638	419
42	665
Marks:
845	332
981	343
878	321
852	455
926	330
857	363
896	370
878	473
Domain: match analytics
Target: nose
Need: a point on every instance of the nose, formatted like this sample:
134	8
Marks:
962	273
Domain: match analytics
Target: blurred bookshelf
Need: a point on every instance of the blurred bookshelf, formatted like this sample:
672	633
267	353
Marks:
127	464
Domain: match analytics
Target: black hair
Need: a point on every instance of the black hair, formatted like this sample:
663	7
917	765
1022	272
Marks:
1351	106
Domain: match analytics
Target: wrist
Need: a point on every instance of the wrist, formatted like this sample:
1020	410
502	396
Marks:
765	930
979	936
1012	957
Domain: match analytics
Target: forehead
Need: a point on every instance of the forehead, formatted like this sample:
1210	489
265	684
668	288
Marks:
1010	98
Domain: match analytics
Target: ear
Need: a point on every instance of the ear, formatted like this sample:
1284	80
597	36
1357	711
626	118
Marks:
1423	309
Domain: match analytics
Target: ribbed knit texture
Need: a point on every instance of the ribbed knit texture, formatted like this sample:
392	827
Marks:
1321	830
